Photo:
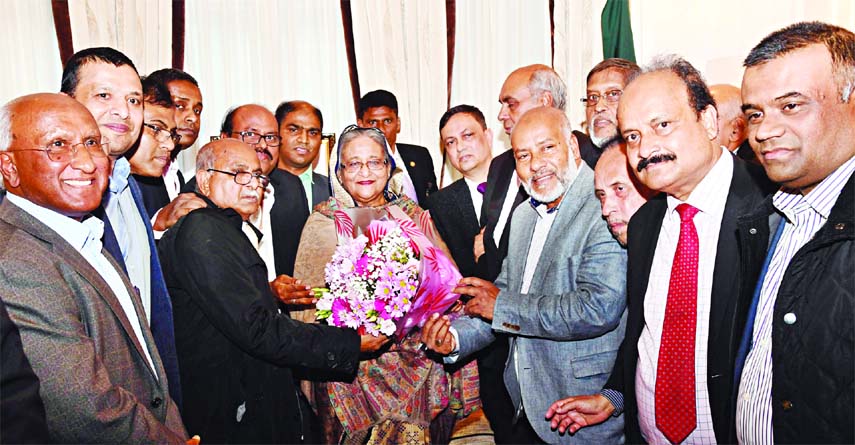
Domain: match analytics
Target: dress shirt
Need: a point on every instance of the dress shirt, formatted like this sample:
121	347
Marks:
804	215
477	197
507	206
709	197
131	233
261	221
409	188
306	179
85	237
170	179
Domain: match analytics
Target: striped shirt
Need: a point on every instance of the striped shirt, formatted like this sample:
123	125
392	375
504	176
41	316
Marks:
804	216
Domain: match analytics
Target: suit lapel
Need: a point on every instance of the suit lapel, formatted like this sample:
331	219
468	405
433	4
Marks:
641	251
497	198
463	201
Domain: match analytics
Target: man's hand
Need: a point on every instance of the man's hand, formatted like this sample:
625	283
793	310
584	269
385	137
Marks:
574	413
180	206
369	343
478	248
292	291
483	295
435	335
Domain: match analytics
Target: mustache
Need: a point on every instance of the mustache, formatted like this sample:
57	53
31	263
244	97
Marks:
655	159
264	150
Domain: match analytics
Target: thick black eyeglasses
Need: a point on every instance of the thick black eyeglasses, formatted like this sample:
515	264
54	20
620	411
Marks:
63	151
244	178
162	134
251	137
611	96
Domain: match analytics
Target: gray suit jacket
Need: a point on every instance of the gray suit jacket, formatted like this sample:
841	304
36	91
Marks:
565	332
97	385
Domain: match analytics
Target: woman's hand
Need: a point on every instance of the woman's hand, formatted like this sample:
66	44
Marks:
292	291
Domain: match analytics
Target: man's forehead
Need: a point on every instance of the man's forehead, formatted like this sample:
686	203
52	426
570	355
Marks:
804	71
104	74
460	122
608	77
376	112
257	118
302	113
154	112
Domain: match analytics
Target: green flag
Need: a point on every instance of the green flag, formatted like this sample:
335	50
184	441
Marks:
617	30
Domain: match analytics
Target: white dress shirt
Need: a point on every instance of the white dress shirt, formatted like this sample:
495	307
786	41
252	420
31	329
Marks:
709	197
130	230
171	181
261	221
507	207
477	197
804	216
85	237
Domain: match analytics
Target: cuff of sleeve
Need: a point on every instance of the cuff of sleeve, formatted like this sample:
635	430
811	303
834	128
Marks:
157	233
616	399
455	353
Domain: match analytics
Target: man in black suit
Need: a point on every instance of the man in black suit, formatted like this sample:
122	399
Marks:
236	348
379	109
669	121
300	127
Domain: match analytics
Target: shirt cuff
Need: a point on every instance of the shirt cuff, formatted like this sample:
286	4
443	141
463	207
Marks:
157	233
455	353
616	399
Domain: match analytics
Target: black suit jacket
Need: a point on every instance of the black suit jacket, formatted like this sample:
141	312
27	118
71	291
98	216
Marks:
234	346
320	189
454	216
154	193
731	295
420	168
496	246
287	218
589	152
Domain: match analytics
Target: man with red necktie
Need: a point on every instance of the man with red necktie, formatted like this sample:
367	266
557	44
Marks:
673	378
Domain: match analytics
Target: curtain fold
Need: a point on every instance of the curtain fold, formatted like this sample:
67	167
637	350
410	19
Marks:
617	30
29	48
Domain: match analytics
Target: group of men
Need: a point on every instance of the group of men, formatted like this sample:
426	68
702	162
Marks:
640	282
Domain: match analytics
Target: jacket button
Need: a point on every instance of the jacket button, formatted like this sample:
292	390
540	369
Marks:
331	356
789	318
839	226
156	402
752	231
787	405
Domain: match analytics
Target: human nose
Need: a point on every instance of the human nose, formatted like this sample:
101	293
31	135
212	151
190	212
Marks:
608	205
82	160
191	117
766	129
601	105
303	136
503	113
119	107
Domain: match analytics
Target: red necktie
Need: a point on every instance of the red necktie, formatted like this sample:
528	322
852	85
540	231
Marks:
675	373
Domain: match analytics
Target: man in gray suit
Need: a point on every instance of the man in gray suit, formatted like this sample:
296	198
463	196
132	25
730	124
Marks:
561	294
81	323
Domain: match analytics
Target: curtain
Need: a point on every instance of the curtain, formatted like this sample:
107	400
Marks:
266	52
617	30
29	49
401	47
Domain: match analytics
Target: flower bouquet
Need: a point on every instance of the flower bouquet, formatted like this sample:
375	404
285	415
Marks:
385	279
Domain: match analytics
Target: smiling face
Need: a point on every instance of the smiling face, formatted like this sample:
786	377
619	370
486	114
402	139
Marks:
301	139
797	124
469	146
73	188
602	117
113	94
221	188
615	188
547	156
188	110
669	146
259	120
152	155
364	185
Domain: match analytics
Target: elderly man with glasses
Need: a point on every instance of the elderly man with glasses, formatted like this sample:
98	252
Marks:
235	346
605	84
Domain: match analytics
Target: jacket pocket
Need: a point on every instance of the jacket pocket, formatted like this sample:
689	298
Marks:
594	364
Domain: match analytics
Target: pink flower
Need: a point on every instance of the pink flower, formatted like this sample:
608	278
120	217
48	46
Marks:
438	277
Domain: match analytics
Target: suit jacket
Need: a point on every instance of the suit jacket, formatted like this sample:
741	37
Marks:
420	168
153	193
731	295
234	344
454	217
72	324
589	152
496	246
320	190
565	332
287	217
23	413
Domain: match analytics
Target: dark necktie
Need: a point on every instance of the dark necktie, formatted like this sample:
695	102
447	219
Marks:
675	373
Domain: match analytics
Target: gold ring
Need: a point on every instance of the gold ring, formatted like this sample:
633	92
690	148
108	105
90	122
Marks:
438	342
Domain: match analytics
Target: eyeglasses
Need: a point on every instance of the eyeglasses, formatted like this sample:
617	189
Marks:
244	178
372	164
251	137
611	96
162	134
63	151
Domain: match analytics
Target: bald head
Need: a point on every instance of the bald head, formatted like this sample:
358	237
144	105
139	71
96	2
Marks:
529	87
259	121
732	130
69	180
217	166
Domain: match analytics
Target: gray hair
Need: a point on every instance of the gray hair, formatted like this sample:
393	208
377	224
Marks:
5	127
352	132
206	157
696	87
545	80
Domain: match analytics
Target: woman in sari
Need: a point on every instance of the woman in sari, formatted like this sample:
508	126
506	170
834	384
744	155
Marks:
400	396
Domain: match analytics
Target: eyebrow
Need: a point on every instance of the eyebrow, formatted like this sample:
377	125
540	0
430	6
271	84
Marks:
791	94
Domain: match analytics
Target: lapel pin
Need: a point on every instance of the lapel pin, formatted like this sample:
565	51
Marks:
412	163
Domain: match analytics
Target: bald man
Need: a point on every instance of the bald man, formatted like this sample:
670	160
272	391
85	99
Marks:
732	127
619	192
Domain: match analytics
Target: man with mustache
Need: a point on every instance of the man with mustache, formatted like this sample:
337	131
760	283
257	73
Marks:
605	84
619	191
686	293
563	315
236	347
106	82
300	127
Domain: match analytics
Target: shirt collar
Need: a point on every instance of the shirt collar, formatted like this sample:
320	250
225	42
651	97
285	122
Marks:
119	177
307	177
710	195
821	199
78	234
